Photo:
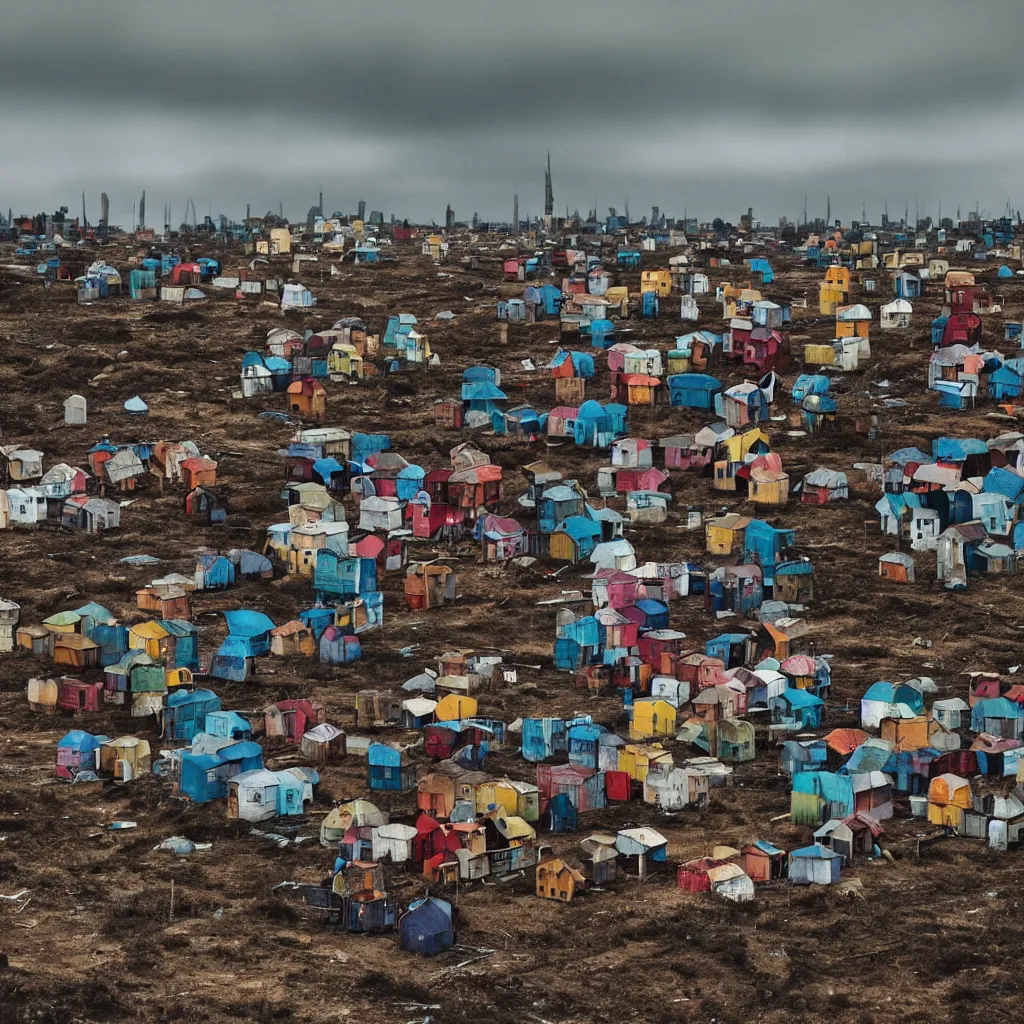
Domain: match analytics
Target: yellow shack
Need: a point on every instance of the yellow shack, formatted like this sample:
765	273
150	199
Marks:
652	717
657	281
150	637
280	241
723	535
635	759
455	707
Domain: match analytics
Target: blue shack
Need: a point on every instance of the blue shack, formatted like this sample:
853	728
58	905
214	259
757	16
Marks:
628	258
818	796
733	649
552	299
582	364
523	422
362	446
650	614
399	327
471	756
259	794
799	708
816	411
202	778
574	539
229	725
602	333
185	712
512	310
1005	383
766	545
585	743
482	396
185	637
215	572
763	269
998	716
78	751
561	814
993	510
803	756
427	927
338	648
809	384
409	482
112	639
599	425
747	397
970	452
793	581
577	643
280	372
693	390
233	661
365	254
330	472
344	575
250	360
248	638
814	865
557	504
478	374
251	626
208	268
955	394
243	756
142	283
388	769
911	769
871	756
908	285
542	738
92	615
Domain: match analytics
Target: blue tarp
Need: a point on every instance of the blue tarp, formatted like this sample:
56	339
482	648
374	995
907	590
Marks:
1004	482
136	406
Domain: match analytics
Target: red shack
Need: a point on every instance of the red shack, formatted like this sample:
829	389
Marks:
74	695
293	718
693	875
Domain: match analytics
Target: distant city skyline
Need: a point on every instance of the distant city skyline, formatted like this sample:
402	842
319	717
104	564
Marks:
182	213
710	109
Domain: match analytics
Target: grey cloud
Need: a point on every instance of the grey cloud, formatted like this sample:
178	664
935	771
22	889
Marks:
451	66
459	100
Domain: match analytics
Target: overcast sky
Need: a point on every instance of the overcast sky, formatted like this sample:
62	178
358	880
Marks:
411	104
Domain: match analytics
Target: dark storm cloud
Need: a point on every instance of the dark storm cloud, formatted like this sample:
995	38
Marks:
451	100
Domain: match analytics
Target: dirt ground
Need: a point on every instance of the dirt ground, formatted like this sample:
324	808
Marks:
935	934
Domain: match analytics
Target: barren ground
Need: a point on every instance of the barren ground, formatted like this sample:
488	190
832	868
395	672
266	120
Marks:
936	935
